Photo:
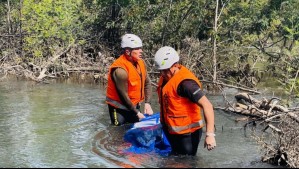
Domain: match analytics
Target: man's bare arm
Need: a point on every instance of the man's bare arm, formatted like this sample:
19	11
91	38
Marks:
120	78
148	90
208	110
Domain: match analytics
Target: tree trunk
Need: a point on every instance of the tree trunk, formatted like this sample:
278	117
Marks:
9	18
21	32
166	23
215	43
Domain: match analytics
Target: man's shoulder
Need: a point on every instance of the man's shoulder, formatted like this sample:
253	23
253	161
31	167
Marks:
120	71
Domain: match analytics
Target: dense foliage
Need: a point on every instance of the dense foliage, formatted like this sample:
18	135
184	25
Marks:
250	36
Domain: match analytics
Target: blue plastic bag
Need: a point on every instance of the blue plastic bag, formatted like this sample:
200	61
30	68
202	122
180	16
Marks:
147	136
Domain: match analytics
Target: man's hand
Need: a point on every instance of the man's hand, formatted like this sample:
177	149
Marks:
210	141
140	116
148	109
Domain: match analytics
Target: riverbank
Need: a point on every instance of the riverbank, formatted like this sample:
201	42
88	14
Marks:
269	86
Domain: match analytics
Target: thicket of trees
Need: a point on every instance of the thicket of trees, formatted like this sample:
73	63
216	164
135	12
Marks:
230	41
236	42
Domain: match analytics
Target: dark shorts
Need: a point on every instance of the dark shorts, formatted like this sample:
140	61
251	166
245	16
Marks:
184	144
119	116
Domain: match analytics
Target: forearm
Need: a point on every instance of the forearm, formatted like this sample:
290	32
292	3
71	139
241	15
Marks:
208	113
125	99
210	119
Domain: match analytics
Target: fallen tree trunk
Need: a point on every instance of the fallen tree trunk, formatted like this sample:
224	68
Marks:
42	74
281	146
231	86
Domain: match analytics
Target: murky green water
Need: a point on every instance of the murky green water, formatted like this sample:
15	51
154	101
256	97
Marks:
67	125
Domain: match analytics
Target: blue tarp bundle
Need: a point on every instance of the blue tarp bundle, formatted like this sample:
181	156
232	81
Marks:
147	136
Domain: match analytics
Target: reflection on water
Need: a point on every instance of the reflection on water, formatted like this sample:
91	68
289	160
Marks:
67	125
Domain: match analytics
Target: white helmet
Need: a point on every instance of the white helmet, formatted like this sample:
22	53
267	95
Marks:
165	57
130	41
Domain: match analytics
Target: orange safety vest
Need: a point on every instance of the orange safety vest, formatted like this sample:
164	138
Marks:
136	82
179	114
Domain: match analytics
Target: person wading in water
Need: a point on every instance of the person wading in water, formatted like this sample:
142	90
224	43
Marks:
181	99
128	84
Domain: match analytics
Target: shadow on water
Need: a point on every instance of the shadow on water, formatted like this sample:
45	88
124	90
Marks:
67	125
107	143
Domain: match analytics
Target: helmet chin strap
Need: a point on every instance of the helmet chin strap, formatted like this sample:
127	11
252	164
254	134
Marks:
172	73
129	56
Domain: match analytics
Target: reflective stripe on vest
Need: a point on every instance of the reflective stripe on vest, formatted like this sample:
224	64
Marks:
177	129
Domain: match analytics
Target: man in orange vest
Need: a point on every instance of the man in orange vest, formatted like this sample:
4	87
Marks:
128	84
181	99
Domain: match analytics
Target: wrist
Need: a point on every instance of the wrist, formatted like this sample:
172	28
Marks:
210	134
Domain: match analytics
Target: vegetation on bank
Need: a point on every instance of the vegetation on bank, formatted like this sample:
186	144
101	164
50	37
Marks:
234	43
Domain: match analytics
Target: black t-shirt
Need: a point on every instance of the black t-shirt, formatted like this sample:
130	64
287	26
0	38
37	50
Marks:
190	89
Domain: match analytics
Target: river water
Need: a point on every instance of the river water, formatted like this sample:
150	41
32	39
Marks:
67	125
